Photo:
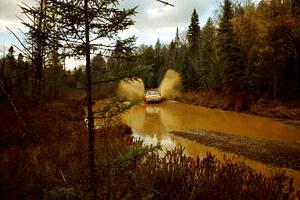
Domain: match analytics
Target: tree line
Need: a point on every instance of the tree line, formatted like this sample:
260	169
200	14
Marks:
58	29
250	47
18	76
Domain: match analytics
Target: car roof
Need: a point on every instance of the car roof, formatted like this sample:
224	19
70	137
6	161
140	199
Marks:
152	92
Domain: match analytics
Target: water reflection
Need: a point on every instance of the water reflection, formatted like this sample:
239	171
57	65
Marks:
152	123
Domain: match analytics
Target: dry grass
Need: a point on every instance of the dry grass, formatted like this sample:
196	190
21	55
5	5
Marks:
175	176
212	99
241	103
51	163
33	163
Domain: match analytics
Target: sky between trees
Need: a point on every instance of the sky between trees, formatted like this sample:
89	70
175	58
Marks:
153	19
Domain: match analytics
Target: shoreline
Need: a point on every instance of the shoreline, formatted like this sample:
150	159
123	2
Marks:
275	109
276	153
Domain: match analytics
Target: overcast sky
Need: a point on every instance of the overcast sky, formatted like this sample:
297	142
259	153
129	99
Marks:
156	20
153	20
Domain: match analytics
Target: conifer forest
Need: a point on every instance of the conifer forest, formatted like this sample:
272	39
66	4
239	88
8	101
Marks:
91	108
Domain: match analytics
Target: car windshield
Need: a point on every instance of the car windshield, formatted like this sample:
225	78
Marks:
152	93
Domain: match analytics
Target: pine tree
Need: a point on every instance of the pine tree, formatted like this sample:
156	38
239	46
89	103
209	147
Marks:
177	38
208	55
171	61
185	72
20	78
40	25
193	36
229	53
99	67
147	58
158	62
79	24
10	70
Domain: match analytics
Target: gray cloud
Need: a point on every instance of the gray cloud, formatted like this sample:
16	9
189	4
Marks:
153	19
7	9
153	15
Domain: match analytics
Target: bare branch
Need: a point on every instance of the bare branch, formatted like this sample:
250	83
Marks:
19	40
114	79
25	53
165	2
113	108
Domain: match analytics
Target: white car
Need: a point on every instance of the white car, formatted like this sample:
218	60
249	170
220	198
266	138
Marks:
152	96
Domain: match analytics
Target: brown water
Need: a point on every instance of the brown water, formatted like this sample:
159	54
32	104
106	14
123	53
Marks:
152	123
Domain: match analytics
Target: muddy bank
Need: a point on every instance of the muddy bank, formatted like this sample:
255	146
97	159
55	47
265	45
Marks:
241	102
273	152
293	123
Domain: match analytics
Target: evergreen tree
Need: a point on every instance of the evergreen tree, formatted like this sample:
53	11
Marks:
40	25
147	58
164	67
185	72
20	75
158	62
177	38
9	72
99	67
11	52
171	61
193	36
229	53
207	78
79	24
115	60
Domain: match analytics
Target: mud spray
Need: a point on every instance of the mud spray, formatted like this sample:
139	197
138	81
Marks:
171	85
169	88
131	89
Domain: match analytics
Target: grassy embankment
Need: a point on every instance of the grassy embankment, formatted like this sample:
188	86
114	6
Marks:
50	162
244	103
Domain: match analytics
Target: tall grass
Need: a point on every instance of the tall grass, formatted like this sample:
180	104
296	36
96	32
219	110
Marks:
53	165
176	176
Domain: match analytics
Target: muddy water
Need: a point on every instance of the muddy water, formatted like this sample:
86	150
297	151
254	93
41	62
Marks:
152	123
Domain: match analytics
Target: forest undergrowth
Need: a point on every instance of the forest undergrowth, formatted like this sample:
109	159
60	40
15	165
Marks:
49	161
243	102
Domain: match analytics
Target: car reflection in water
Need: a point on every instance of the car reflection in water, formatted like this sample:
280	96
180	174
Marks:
152	109
146	125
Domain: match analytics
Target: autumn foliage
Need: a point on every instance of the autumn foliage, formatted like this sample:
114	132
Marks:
50	162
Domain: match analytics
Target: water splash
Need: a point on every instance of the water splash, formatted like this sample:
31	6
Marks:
131	89
134	89
170	86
